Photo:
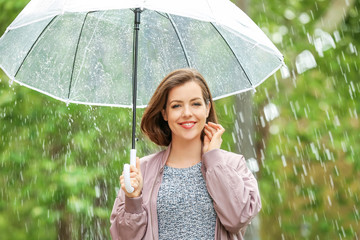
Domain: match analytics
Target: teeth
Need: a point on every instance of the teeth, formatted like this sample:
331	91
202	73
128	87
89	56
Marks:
188	124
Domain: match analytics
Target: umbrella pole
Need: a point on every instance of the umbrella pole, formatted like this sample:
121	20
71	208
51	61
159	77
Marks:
128	186
137	12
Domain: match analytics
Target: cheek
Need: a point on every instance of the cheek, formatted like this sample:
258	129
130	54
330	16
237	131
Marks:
202	115
173	115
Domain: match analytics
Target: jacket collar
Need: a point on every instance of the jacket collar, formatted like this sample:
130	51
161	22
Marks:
165	156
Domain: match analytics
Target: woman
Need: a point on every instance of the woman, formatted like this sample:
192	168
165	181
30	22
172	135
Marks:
193	189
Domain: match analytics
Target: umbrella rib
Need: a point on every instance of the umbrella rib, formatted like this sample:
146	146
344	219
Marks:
33	45
180	40
242	68
75	55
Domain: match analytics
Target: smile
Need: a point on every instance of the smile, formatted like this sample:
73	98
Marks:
187	125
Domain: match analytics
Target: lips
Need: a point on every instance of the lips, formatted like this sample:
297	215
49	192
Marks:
187	124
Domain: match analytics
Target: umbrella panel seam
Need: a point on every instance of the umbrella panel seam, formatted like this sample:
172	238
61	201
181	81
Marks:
180	40
76	54
232	51
33	45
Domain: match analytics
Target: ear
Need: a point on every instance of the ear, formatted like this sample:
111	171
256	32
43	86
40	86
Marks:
164	115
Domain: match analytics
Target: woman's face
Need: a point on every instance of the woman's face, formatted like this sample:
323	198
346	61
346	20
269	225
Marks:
186	111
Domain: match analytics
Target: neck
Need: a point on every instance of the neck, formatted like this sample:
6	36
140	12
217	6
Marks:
184	154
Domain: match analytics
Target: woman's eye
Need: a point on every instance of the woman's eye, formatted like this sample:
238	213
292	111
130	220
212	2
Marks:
197	104
175	106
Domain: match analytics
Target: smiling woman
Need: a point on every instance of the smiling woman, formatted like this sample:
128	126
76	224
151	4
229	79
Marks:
193	189
153	123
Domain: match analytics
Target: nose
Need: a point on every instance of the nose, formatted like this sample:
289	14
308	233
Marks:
187	111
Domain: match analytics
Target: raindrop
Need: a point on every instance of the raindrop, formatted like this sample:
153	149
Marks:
337	36
331	138
327	151
285	73
289	14
274	129
250	138
305	61
331	182
233	136
314	150
329	200
277	37
323	41
225	109
97	191
283	30
304	18
241	117
352	48
271	112
263	124
283	160
343	145
297	151
253	165
336	171
293	109
304	169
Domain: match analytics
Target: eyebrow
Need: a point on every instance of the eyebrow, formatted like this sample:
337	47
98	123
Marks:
193	99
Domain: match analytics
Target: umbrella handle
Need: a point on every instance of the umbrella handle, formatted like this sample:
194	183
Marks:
128	186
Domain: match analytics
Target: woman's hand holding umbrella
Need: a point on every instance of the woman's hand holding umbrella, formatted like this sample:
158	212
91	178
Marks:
136	180
212	139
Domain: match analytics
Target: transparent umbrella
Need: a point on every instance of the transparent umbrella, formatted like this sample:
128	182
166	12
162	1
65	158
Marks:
92	52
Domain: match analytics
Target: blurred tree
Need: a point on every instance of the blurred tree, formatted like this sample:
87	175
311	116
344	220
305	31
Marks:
308	154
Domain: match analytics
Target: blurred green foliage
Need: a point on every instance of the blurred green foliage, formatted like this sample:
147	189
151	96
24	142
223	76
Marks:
309	154
60	164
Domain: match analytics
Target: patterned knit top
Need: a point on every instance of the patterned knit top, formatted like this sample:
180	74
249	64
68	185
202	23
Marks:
184	207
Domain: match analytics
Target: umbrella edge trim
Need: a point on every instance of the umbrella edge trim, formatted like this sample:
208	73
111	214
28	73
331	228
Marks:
252	87
67	101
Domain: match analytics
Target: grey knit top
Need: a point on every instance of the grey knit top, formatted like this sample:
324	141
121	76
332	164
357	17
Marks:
184	207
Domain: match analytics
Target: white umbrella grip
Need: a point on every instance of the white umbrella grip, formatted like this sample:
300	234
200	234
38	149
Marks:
128	186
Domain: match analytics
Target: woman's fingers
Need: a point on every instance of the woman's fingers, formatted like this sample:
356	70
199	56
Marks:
136	180
214	129
214	132
208	133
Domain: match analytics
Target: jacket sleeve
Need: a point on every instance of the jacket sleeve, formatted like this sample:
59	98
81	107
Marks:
128	218
233	189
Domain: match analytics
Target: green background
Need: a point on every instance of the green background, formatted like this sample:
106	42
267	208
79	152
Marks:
60	164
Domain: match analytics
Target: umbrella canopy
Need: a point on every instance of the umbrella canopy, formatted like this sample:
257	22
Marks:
81	51
86	51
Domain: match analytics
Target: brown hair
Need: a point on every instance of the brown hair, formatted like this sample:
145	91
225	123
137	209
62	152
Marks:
153	124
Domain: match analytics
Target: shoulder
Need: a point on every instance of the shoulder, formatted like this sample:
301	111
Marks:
224	157
155	157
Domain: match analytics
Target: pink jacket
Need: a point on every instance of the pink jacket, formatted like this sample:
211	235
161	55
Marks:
229	182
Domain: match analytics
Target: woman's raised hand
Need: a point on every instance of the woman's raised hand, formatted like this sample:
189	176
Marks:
212	139
136	180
